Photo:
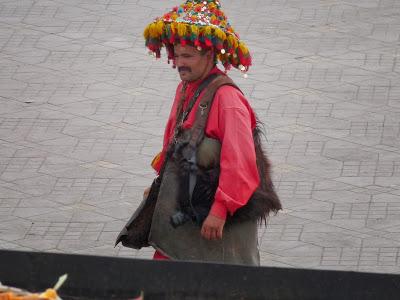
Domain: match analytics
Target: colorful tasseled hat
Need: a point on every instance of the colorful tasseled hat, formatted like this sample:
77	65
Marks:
201	24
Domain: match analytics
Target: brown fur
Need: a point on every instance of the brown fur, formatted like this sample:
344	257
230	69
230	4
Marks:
264	200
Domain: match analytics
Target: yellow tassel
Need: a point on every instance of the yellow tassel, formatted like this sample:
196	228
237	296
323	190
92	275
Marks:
160	27
181	29
194	29
232	40
207	30
220	34
153	30
174	27
146	33
243	48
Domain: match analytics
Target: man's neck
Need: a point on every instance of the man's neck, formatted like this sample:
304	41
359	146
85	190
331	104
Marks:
207	71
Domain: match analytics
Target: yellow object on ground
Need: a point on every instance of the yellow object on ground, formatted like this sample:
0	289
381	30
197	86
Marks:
10	293
50	294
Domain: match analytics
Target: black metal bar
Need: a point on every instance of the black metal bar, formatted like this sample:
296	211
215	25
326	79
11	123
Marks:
97	277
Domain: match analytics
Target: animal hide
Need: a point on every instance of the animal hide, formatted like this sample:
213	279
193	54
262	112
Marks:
263	201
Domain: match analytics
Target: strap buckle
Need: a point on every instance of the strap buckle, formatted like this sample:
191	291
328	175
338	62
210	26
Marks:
203	107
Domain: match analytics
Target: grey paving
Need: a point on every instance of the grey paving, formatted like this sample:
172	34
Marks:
82	111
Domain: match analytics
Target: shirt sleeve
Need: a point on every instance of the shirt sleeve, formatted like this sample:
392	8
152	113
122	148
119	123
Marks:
232	122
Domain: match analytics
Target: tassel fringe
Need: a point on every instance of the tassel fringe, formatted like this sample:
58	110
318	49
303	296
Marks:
235	53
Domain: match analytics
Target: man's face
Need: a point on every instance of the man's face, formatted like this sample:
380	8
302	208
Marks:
191	63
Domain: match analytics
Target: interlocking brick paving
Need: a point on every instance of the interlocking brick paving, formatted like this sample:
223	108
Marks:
83	107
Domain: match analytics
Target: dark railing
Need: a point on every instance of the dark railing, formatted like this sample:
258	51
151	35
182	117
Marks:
97	277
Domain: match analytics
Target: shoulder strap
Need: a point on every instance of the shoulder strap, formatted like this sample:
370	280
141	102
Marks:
211	84
205	106
182	115
196	95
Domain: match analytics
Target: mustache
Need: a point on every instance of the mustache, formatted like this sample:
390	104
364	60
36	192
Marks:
180	69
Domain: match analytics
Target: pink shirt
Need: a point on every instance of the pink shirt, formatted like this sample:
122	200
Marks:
231	120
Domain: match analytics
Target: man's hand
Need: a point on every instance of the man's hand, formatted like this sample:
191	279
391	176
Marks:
212	228
146	192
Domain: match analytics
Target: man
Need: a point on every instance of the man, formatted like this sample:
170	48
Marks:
215	183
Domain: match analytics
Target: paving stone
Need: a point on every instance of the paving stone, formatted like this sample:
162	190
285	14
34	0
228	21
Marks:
83	110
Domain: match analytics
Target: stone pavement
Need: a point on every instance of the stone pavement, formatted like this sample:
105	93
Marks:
82	111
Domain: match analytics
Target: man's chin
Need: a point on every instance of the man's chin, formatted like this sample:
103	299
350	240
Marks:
186	76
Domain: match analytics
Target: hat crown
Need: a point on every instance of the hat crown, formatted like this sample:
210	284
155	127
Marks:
206	2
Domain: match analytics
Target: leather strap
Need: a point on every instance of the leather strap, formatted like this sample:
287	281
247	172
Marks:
184	114
198	129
